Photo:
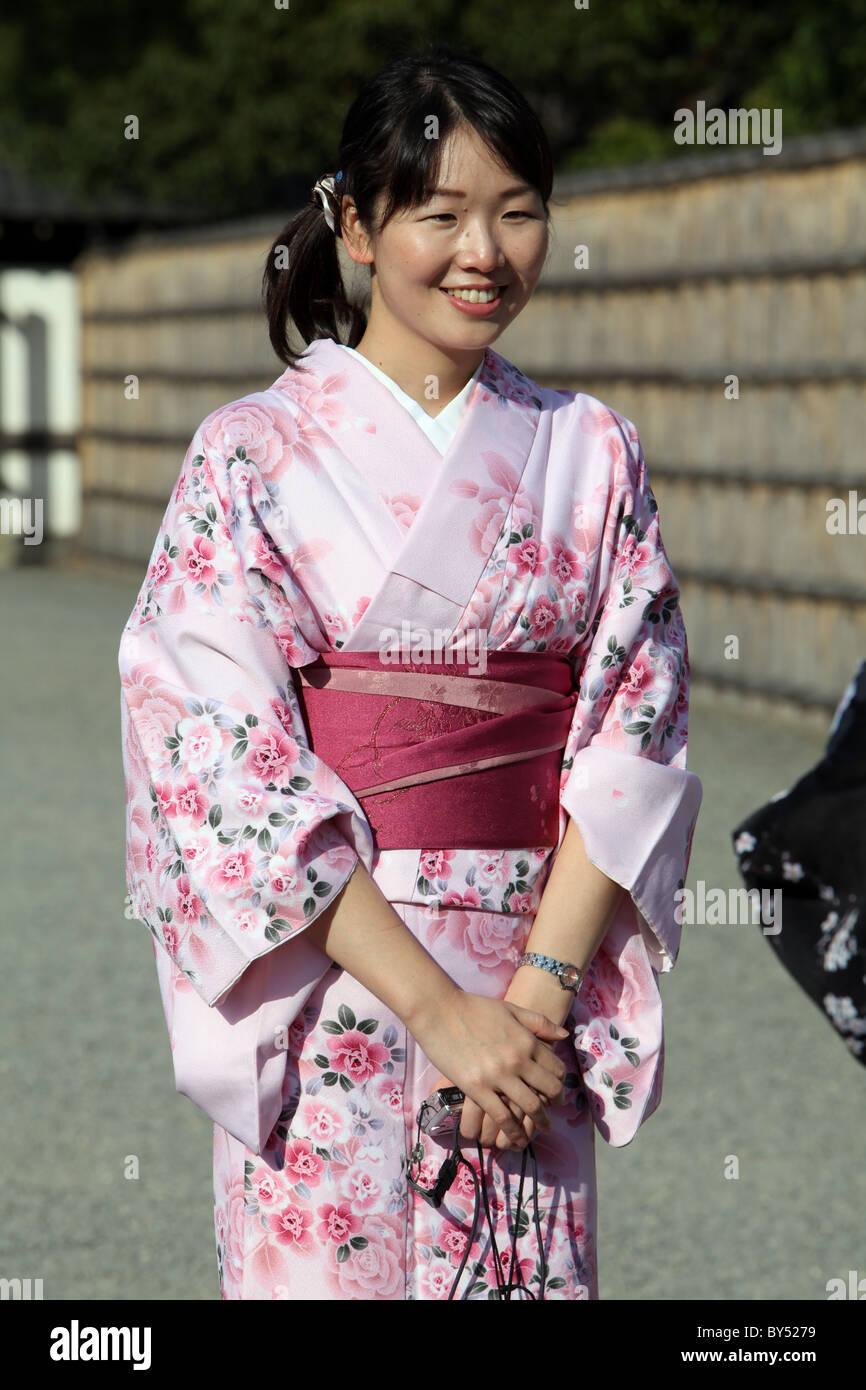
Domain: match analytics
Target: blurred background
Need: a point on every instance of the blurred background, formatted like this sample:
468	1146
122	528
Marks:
712	291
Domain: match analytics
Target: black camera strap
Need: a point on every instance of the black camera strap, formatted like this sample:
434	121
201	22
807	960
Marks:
435	1195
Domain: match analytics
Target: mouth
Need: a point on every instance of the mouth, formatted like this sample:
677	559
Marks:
475	294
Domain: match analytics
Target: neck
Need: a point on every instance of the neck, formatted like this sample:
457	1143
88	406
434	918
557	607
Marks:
411	362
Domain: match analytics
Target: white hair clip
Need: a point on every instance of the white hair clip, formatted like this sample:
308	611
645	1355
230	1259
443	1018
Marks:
321	191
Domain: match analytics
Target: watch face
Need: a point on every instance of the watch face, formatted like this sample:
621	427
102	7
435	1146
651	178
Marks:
569	976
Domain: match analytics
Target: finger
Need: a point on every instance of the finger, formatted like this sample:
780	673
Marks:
471	1123
471	1119
491	1133
528	1129
497	1107
531	1103
537	1023
547	1082
547	1067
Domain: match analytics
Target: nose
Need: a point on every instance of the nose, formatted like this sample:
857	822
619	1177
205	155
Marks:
479	248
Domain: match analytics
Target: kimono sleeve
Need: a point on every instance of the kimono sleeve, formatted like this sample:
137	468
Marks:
626	786
237	835
625	781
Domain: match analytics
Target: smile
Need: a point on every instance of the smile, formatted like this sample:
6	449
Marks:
475	296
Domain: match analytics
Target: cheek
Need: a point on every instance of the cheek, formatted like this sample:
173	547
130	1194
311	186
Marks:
533	255
416	260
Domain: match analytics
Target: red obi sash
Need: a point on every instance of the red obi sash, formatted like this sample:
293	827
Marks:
441	758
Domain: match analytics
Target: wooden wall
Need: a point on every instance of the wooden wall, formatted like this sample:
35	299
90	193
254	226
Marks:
734	264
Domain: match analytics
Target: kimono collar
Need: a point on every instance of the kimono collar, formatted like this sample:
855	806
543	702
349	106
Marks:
441	559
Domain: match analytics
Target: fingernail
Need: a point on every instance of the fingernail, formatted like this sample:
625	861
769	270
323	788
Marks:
563	1032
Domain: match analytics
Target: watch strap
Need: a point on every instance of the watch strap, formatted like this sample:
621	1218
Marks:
554	967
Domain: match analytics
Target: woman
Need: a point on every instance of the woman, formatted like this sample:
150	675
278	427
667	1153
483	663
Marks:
404	699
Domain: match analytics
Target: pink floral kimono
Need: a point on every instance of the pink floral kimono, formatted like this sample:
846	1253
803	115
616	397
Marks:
307	519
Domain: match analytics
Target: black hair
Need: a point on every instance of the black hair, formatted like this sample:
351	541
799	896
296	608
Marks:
385	149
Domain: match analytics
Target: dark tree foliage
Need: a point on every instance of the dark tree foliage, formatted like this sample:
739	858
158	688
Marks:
240	103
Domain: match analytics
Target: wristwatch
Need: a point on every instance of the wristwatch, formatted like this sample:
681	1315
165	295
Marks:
570	976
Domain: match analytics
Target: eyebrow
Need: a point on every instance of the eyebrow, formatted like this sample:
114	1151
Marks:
506	193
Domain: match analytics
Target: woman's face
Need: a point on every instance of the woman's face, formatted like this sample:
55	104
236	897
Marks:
482	228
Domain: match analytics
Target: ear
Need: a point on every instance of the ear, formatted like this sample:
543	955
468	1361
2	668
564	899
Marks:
355	238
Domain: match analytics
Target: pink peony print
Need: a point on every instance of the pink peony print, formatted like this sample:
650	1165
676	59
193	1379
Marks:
191	802
337	1224
272	754
527	557
201	743
284	874
361	1189
189	905
428	1171
467	897
266	433
287	636
564	564
436	1279
593	998
233	872
302	1163
171	938
637	681
526	1266
198	561
487	525
634	556
264	558
322	1123
403	506
248	920
319	397
357	1055
154	711
463	1184
625	980
543	617
194	851
264	1187
436	863
390	1093
455	1241
160	570
377	1270
360	609
220	1222
521	902
248	802
293	1226
597	1047
489	938
493	866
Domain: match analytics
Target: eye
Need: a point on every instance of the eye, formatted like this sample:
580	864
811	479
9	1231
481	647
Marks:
437	215
519	212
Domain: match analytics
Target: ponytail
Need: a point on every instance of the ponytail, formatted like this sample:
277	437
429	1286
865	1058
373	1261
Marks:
303	282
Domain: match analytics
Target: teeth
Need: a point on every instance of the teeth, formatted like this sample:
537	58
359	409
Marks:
475	296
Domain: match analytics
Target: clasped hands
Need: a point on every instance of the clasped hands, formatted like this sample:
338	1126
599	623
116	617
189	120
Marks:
532	1076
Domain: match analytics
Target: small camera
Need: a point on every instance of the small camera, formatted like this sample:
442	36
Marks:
440	1113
